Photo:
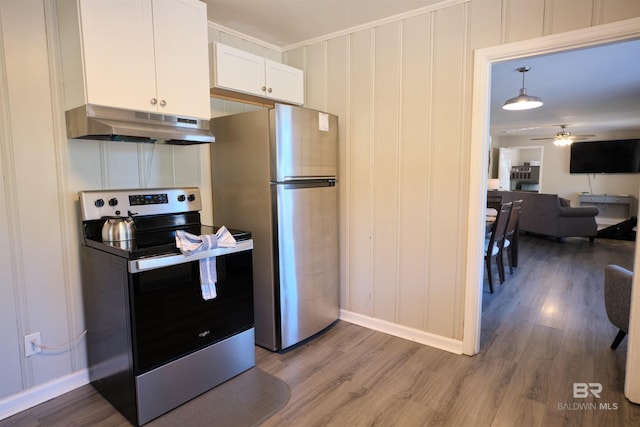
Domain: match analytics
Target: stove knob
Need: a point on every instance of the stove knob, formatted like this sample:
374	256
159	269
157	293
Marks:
181	198
113	202
99	203
192	197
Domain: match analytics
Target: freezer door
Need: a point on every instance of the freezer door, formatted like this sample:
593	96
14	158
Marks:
303	143
307	236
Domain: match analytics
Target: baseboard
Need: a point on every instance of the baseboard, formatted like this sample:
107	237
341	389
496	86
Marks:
39	394
400	331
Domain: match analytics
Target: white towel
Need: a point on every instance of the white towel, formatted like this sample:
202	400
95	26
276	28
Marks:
190	244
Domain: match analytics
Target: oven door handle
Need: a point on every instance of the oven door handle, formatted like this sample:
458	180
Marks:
152	263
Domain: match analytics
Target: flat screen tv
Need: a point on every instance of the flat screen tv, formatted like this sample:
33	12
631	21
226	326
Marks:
619	156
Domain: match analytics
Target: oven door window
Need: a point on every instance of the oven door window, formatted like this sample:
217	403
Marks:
170	317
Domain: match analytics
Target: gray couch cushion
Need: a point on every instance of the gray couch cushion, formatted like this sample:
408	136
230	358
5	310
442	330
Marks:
542	214
579	211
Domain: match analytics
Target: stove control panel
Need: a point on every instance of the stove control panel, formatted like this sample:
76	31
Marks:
149	201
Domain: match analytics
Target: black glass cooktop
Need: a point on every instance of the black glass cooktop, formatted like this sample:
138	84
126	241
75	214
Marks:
149	239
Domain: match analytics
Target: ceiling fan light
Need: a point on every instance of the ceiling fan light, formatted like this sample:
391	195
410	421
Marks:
562	142
522	102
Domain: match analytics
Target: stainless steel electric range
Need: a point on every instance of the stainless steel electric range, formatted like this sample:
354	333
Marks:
154	342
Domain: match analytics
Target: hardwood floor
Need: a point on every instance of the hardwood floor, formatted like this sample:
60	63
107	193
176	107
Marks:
544	329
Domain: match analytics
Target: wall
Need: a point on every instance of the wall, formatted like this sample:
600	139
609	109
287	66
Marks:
402	91
556	178
401	161
37	293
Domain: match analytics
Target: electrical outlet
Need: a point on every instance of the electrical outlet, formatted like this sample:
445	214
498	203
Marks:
32	344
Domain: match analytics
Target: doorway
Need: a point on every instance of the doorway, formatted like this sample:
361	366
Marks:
517	168
610	33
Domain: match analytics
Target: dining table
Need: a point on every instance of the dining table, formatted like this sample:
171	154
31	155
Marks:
490	219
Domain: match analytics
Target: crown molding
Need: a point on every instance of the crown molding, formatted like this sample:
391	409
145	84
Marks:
243	36
372	24
393	18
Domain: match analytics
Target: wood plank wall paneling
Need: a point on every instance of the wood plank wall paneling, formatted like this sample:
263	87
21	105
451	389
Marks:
10	320
607	11
359	187
40	292
414	167
122	165
84	161
156	165
337	67
524	19
315	77
445	184
487	25
386	155
567	15
296	58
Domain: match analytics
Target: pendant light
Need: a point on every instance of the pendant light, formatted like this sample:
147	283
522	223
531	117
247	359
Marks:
522	101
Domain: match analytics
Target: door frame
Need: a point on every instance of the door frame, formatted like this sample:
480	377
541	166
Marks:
480	143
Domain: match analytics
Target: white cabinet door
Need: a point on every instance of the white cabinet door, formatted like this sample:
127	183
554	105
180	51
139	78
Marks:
118	53
238	70
245	72
284	82
146	55
181	57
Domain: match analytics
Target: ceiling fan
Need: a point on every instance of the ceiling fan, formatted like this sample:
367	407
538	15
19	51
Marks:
563	138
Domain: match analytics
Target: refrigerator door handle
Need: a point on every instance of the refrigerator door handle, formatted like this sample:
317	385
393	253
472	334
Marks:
297	185
307	182
309	178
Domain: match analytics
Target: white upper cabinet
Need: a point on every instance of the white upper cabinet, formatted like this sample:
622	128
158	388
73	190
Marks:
238	70
284	82
245	72
182	56
145	55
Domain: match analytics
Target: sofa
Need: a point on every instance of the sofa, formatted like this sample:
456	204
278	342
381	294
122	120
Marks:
550	215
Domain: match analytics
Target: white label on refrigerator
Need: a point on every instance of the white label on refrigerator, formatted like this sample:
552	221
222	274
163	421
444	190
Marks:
323	122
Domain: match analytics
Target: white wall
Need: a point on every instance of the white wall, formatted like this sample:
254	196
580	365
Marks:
38	288
402	91
556	178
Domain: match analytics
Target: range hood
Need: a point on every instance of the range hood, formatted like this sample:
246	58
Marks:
113	124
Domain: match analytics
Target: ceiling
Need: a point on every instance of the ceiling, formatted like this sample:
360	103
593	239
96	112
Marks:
593	91
287	22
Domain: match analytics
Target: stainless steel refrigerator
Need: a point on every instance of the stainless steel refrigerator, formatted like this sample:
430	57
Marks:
274	174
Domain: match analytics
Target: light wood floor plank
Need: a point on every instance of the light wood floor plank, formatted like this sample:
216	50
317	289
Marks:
542	330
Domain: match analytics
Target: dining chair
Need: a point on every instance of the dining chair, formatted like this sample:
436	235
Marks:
494	201
617	299
495	242
510	234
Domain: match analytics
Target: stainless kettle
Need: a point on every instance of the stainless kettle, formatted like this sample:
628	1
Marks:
118	229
